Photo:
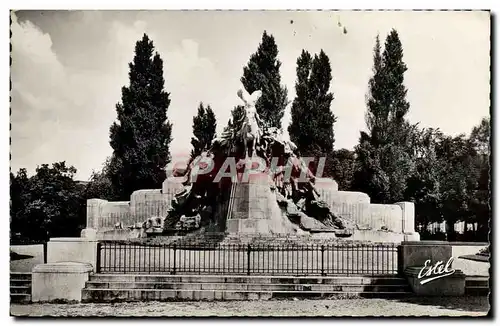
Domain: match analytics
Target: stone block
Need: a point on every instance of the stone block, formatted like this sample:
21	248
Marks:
168	294
451	285
416	253
408	217
88	233
59	281
326	184
80	250
233	295
94	212
413	236
185	294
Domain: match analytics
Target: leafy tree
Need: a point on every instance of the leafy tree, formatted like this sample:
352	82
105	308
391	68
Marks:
459	180
140	138
451	180
481	197
263	73
204	125
424	187
480	137
18	190
341	168
311	128
100	185
385	153
52	203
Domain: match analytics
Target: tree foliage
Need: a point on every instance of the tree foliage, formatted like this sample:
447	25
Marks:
385	153
204	126
311	128
48	204
342	167
140	138
451	180
263	73
100	185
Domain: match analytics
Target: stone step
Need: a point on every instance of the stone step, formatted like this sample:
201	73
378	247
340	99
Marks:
20	289
477	291
107	295
163	278
20	297
14	282
246	286
477	286
477	283
20	276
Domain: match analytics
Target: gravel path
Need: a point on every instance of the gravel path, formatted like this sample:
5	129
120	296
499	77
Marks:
411	306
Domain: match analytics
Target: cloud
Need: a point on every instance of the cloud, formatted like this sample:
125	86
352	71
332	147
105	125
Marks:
63	112
53	106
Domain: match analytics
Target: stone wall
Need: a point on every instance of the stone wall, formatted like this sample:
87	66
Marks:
389	216
398	217
104	215
357	206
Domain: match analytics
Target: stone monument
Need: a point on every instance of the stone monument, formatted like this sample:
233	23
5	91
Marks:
272	191
251	180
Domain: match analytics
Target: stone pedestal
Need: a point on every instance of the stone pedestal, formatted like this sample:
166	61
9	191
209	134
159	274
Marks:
451	285
253	208
413	236
79	250
62	281
249	211
416	253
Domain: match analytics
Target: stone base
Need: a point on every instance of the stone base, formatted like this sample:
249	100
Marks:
61	281
416	253
254	209
88	233
121	234
451	285
247	226
79	250
413	236
377	236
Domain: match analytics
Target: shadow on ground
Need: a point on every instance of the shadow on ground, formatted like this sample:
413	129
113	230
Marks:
15	256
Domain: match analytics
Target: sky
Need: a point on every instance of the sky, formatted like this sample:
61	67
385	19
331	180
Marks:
68	68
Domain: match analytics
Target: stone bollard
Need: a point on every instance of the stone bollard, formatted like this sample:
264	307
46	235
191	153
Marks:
81	250
62	281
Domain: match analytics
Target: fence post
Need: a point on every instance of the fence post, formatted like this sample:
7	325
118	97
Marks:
323	260
175	258
45	252
98	258
249	248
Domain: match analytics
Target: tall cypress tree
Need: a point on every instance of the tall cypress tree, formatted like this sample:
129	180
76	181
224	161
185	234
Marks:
384	155
204	125
141	137
312	119
263	73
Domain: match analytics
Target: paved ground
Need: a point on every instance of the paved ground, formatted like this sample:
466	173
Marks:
463	306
